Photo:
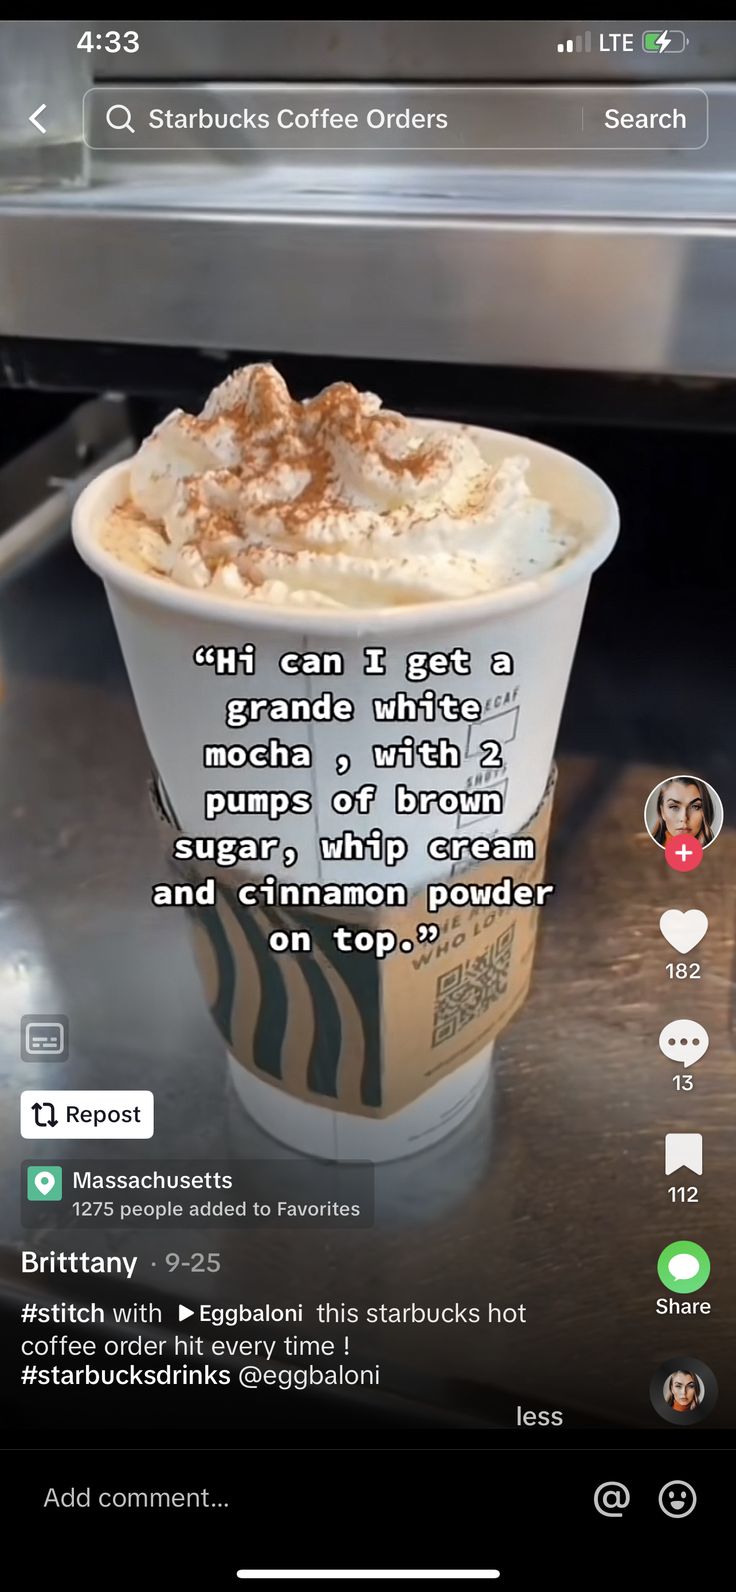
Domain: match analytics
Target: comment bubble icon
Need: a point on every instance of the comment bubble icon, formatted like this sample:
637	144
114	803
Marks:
684	1041
683	1267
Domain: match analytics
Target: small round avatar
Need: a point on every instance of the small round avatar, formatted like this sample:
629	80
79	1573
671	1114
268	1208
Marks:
683	1391
684	807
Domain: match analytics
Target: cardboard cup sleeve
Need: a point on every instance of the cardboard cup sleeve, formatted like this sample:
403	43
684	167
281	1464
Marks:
345	1056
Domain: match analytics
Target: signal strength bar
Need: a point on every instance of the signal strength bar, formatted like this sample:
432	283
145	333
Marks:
582	43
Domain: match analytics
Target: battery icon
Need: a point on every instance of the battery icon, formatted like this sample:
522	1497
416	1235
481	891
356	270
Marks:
659	41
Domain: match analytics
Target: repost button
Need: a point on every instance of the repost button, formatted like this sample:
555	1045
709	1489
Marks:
86	1114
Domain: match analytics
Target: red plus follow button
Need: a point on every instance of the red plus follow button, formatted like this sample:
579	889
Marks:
683	852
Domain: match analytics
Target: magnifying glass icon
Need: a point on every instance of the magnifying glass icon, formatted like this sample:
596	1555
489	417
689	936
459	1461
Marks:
126	125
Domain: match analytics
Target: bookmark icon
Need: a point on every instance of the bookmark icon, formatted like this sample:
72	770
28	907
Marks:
683	1150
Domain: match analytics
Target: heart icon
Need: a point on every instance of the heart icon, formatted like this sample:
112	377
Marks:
684	930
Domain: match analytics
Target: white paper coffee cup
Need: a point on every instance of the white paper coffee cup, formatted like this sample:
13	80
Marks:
182	709
339	1136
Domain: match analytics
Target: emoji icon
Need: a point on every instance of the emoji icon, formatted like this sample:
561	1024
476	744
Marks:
677	1499
684	1041
683	930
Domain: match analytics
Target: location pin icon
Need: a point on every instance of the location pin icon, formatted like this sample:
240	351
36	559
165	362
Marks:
45	1182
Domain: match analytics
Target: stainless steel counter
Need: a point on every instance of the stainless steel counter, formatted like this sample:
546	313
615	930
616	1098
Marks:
627	264
553	1195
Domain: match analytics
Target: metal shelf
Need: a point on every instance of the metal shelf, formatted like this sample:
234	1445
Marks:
627	266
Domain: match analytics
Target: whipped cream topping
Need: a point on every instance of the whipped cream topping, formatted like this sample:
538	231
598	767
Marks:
331	502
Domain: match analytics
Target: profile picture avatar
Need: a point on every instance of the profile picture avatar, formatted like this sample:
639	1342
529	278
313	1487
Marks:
683	1391
683	806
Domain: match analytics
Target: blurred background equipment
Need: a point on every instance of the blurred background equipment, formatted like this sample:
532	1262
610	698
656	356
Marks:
43	77
565	260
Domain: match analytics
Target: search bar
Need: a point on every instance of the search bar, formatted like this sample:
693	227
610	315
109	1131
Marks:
326	117
368	1575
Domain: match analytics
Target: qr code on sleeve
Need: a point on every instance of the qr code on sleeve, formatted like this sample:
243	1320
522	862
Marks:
466	991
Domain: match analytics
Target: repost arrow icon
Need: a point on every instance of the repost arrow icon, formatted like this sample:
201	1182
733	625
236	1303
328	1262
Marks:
35	115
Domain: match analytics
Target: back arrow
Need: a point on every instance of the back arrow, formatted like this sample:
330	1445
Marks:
35	115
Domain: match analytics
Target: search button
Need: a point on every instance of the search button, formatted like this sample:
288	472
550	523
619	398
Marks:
113	121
